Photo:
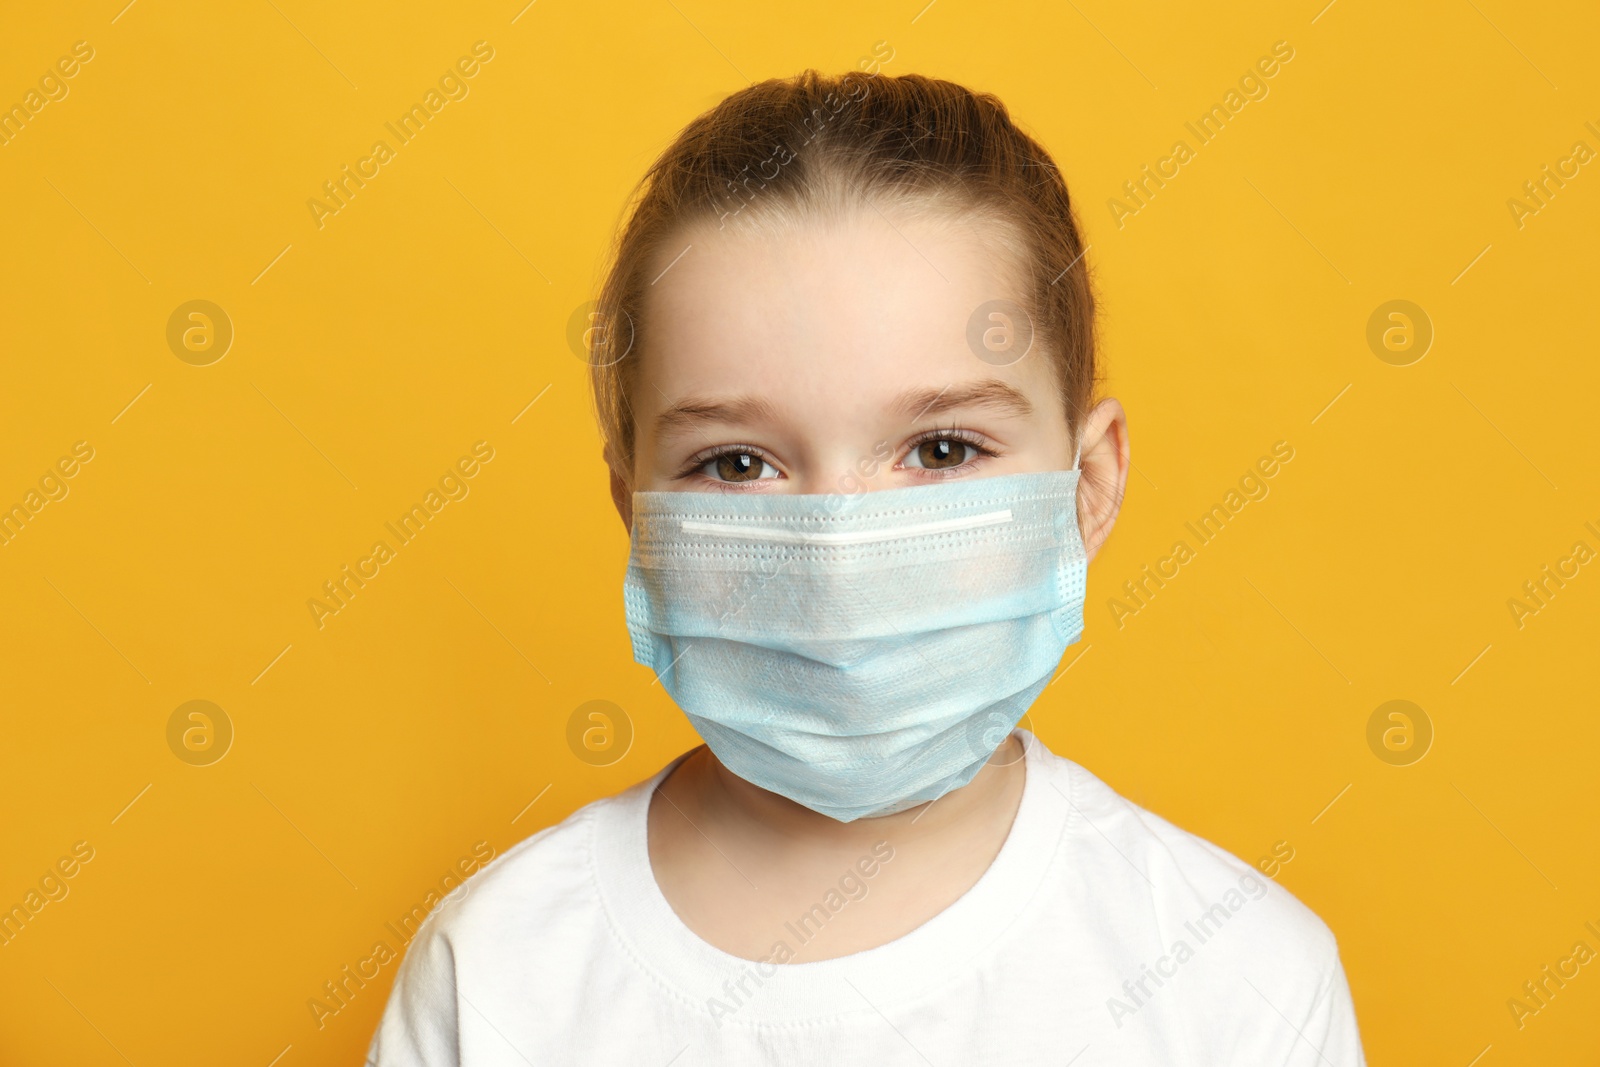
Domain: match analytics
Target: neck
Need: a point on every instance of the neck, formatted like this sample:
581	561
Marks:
738	863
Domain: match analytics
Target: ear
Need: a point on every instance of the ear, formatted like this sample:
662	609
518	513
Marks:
1105	473
621	496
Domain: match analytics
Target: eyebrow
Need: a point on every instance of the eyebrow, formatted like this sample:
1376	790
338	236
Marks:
991	392
691	411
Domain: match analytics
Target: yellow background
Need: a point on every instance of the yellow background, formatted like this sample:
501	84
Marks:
371	754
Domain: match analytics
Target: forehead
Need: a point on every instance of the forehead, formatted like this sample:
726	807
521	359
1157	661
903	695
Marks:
827	305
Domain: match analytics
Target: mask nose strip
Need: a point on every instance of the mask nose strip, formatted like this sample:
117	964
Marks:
844	537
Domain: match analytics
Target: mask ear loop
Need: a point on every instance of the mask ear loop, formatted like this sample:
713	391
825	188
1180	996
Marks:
1078	455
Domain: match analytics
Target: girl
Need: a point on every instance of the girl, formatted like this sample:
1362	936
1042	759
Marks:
845	380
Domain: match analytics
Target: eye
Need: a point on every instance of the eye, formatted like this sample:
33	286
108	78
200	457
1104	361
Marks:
737	465
945	450
939	454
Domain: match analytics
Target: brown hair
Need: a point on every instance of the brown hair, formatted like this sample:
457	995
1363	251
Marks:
816	143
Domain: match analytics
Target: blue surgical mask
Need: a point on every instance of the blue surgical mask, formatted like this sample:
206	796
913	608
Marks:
859	654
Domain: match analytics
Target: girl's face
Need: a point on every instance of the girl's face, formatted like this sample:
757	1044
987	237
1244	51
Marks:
832	357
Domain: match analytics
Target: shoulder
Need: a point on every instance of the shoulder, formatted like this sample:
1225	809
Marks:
517	928
527	902
1180	895
543	878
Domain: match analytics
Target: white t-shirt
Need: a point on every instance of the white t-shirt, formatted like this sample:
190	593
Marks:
1100	935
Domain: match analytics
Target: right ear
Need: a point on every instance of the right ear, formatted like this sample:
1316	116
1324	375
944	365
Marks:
621	497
